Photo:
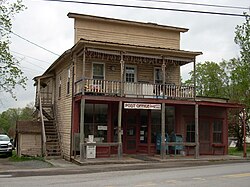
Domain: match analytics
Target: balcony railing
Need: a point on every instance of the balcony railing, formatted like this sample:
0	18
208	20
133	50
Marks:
139	89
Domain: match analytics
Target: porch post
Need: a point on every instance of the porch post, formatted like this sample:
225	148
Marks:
120	130
163	143
122	76
196	116
197	147
83	70
82	146
244	134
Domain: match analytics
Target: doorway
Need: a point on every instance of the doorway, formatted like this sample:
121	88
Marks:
130	137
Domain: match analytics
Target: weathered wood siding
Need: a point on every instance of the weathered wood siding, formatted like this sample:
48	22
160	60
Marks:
145	72
108	31
29	144
64	106
29	138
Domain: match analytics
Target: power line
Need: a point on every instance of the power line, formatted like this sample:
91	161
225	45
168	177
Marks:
30	41
30	57
197	4
147	7
22	59
33	43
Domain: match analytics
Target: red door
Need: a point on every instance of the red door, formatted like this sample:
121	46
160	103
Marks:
130	132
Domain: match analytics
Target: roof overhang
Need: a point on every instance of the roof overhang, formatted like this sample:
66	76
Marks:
135	50
120	21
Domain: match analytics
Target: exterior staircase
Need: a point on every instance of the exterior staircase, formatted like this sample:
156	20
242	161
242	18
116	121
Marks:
52	143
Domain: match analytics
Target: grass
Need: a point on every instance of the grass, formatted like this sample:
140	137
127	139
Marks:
235	152
16	158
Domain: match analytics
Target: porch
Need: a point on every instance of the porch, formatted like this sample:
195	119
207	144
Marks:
133	89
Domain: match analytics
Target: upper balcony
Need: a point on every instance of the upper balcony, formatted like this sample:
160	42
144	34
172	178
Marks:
133	89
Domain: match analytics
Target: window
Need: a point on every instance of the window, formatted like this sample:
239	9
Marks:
190	136
144	126
170	119
217	131
130	74
158	76
95	120
98	71
155	124
60	87
68	82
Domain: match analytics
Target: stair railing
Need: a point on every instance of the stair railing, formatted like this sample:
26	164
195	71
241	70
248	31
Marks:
42	120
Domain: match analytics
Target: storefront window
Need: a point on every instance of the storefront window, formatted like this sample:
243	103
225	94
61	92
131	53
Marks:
144	126
156	124
190	136
95	118
217	131
170	119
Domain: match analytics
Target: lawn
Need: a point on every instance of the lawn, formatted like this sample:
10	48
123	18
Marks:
235	152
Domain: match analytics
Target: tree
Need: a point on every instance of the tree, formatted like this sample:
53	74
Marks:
211	80
229	79
9	117
10	73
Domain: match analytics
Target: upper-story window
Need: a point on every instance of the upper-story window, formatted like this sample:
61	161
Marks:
68	81
60	87
130	73
98	71
158	75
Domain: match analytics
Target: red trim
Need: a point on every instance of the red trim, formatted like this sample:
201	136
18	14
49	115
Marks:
226	105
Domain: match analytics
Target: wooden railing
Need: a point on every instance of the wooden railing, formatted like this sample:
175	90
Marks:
139	89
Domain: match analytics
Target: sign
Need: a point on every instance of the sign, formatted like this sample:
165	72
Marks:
143	106
102	128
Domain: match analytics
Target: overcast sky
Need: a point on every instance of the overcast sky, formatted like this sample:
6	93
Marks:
46	24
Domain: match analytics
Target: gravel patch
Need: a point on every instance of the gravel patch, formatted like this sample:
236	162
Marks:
32	164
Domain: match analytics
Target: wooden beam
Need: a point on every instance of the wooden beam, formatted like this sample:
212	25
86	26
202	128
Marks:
82	146
120	130
122	76
83	69
197	147
163	143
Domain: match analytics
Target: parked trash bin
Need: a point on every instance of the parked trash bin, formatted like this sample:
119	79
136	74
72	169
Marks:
158	142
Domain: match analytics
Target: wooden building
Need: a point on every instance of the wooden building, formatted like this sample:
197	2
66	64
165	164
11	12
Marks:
28	138
121	83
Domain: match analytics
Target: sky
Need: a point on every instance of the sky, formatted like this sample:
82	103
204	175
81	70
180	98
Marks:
46	24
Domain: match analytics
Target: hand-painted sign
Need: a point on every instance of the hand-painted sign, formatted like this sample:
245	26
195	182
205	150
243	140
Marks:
145	106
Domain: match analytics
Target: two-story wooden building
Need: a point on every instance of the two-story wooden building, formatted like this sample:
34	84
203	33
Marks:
121	83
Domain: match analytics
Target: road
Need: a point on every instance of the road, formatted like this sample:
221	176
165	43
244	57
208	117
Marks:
237	174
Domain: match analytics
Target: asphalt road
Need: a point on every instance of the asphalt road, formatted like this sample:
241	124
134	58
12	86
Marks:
236	174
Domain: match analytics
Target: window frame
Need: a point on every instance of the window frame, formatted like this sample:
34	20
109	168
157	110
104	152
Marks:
68	81
217	133
158	68
99	63
59	86
135	72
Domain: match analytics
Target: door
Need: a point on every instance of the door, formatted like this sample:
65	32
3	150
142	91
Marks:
130	132
130	88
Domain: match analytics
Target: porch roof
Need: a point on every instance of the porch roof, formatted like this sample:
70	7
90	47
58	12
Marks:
130	49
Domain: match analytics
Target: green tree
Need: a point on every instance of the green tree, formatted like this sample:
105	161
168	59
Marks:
229	79
211	80
9	117
10	72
